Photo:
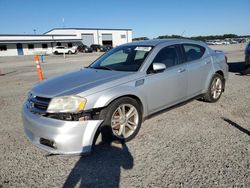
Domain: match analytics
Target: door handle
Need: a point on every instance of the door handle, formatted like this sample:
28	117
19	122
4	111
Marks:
181	70
208	62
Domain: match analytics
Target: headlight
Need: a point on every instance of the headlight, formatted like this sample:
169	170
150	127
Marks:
72	104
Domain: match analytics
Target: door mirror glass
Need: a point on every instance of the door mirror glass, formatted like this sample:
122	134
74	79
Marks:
158	67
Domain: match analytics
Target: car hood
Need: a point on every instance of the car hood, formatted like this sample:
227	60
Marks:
86	80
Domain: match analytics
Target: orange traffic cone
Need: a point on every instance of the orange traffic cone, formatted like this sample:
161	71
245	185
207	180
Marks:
38	67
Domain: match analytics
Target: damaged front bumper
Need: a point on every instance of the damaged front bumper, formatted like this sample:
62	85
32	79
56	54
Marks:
59	136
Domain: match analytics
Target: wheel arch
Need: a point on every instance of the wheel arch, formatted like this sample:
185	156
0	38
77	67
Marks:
220	72
106	98
210	76
133	96
129	96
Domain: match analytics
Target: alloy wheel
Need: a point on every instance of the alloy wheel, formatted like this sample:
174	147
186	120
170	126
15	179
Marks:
216	88
124	121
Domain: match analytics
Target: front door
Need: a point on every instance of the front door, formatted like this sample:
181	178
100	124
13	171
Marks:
19	48
169	87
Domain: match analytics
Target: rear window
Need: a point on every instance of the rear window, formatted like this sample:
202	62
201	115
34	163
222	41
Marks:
193	51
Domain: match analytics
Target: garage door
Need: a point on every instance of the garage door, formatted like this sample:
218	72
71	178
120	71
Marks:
107	39
88	39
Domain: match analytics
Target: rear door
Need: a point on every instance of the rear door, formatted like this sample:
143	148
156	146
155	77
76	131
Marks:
170	86
199	64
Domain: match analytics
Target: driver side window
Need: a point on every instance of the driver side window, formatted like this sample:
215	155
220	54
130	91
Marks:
168	56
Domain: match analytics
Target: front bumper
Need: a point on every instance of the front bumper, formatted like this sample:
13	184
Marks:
68	137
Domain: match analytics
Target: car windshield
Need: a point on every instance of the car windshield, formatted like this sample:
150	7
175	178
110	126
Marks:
123	58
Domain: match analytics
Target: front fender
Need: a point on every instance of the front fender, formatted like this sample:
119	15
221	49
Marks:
104	98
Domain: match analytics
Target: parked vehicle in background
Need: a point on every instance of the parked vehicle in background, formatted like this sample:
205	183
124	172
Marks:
84	49
247	60
63	49
232	41
225	42
210	42
108	47
247	54
243	40
64	114
217	42
98	47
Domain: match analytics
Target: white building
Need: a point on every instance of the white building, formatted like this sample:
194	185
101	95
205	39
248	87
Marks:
13	45
113	37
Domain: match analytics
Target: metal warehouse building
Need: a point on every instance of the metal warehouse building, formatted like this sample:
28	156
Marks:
13	45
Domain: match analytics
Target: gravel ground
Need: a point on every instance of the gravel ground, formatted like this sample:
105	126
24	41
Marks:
195	145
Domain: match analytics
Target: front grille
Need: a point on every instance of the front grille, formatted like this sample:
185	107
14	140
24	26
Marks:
38	104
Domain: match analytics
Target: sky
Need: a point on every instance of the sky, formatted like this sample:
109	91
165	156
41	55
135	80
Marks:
146	18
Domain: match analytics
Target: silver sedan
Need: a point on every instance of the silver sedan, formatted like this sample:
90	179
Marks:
118	91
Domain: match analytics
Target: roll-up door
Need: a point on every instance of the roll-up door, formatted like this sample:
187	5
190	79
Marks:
107	39
88	39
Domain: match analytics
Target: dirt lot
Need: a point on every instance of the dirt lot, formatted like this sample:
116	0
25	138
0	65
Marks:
195	145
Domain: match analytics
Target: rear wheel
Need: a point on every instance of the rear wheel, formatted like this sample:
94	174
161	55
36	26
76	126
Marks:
70	52
215	89
123	118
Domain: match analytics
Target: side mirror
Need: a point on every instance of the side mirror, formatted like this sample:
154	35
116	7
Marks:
158	67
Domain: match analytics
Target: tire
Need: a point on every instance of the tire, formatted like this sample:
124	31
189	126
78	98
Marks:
215	89
70	52
118	127
56	52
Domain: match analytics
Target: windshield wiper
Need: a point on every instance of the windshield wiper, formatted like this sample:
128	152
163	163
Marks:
101	67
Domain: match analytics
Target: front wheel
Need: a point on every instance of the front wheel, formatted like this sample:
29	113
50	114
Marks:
215	89
124	119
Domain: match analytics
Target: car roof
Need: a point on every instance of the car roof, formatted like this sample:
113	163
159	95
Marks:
156	42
